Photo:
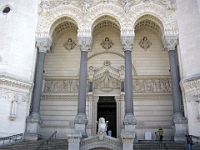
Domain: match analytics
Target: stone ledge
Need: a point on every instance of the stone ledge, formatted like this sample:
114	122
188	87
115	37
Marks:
9	82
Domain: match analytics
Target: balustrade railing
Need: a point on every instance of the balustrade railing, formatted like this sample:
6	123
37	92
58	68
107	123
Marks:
47	142
11	139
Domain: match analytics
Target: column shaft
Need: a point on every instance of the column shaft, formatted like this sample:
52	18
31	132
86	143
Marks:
82	83
128	83
37	91
176	92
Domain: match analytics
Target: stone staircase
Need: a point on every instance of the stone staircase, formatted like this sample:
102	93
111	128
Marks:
61	144
32	145
166	145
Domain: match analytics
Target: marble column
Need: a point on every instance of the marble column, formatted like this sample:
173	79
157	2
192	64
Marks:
33	120
178	119
81	118
128	133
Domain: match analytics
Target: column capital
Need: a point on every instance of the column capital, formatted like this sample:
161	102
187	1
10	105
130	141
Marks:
84	39
170	42
85	43
127	39
43	44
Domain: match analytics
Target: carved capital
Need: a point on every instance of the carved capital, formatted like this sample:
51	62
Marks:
85	43
170	42
127	40
43	44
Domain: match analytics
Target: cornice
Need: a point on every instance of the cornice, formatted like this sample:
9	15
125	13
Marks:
9	82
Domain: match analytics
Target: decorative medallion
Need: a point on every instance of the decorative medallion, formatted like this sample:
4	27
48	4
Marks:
145	43
107	43
70	44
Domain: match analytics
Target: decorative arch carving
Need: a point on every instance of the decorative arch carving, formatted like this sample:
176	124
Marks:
166	18
48	21
106	10
99	142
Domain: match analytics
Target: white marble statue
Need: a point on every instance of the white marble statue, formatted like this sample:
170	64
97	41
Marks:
102	125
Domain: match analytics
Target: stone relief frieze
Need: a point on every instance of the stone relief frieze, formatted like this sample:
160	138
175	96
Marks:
107	81
152	85
61	86
145	43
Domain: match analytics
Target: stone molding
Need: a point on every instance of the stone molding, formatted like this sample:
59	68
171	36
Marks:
191	89
43	44
141	85
170	42
100	142
9	83
126	20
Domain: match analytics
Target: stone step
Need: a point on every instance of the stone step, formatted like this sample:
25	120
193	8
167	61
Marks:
32	145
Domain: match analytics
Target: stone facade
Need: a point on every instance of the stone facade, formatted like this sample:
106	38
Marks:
93	48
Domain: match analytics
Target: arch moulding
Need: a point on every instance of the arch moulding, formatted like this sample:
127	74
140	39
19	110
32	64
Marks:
49	20
165	16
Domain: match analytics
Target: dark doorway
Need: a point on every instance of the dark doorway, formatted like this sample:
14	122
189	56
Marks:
106	108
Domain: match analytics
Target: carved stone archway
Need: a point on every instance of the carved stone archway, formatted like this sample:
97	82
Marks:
159	12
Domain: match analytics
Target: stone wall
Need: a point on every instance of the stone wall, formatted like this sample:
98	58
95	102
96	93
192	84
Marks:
17	62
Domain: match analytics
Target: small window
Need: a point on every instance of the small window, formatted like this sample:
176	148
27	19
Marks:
6	10
90	86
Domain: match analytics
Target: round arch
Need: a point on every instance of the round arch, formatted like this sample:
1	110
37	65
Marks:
106	10
157	13
49	21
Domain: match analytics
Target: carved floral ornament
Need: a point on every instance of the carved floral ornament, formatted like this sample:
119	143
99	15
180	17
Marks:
170	42
145	43
86	21
107	43
43	44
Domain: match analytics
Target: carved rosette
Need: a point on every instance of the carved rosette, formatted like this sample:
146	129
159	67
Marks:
43	44
170	42
85	43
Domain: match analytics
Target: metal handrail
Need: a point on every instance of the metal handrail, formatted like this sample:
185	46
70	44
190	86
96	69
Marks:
11	139
47	141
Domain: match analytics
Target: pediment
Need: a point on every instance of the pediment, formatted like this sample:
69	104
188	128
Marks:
106	77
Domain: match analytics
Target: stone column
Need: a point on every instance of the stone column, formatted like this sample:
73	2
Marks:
179	121
127	45
128	134
33	120
81	118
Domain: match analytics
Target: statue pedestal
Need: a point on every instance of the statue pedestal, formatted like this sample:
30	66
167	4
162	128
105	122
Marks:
127	140
74	141
80	124
180	128
32	127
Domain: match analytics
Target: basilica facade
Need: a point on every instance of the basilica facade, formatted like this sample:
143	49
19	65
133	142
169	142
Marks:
66	63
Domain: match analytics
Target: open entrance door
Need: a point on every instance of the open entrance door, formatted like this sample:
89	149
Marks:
106	108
